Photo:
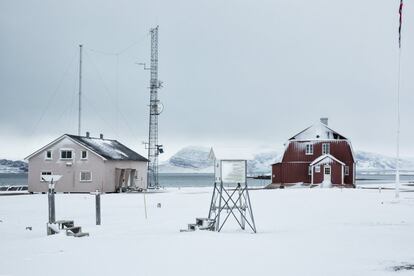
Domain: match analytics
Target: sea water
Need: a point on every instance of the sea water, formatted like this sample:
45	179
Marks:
206	180
13	179
165	180
200	180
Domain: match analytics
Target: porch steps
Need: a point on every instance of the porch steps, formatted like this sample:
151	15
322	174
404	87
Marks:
201	224
70	228
65	223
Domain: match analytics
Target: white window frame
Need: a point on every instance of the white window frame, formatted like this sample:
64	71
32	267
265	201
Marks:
310	151
310	170
329	168
86	158
328	146
42	173
51	155
346	170
85	180
318	169
72	153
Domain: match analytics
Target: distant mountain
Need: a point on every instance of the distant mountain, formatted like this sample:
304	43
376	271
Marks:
189	160
191	157
195	160
372	161
261	164
9	166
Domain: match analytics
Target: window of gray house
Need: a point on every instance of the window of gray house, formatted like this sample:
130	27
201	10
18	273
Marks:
85	176
44	173
84	154
48	155
65	154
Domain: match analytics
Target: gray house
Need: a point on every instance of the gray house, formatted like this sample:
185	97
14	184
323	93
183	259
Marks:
87	164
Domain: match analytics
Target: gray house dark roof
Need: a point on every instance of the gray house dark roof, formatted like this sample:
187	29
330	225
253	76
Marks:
109	149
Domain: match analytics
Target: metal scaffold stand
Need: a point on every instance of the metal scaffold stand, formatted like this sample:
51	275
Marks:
233	200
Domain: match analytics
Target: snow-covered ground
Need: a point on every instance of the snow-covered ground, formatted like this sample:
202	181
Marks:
300	232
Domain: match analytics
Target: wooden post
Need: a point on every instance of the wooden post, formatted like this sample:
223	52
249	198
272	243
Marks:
51	203
98	207
145	206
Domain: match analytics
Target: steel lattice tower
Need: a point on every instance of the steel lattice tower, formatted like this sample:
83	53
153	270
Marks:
154	149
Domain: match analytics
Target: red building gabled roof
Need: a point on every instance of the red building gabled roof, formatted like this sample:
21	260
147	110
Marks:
318	131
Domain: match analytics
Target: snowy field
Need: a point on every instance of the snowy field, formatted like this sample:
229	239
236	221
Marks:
300	232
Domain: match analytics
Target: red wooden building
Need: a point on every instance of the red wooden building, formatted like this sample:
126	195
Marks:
316	155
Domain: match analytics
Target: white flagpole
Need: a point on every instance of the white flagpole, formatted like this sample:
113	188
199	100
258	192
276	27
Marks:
397	165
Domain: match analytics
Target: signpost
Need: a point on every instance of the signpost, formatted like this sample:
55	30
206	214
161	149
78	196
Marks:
233	171
235	198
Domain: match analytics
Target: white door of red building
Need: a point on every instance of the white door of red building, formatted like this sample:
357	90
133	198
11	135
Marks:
327	174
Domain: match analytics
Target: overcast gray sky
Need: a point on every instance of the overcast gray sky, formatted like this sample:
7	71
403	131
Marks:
236	73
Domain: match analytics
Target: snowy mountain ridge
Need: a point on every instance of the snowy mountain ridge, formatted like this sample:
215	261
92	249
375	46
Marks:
367	161
195	160
9	166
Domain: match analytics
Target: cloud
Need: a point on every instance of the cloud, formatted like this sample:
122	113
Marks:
251	71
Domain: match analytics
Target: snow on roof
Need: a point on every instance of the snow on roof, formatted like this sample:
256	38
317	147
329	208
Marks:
322	157
318	131
109	149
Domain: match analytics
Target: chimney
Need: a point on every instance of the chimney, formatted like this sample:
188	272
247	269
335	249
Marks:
87	134
324	121
101	136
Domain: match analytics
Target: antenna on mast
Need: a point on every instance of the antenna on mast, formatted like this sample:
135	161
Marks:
80	90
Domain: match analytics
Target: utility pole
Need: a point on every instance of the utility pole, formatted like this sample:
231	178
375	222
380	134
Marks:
80	90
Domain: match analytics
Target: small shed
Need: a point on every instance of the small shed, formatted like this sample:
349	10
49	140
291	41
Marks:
87	164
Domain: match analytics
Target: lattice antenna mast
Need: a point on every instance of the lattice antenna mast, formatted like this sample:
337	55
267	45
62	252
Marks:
154	149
